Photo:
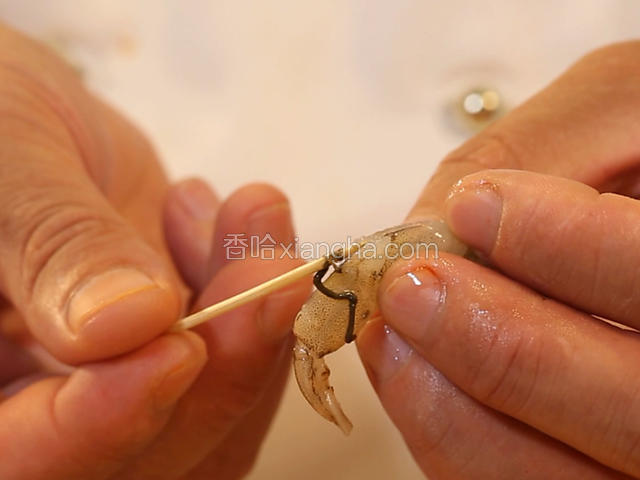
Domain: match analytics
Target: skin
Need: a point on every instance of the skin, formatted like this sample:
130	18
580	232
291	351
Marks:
91	385
502	371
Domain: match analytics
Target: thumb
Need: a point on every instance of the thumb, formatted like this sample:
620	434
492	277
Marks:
86	283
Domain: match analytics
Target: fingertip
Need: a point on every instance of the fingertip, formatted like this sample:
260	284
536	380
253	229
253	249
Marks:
259	215
189	344
187	354
272	222
382	351
260	327
198	354
246	207
190	213
260	192
195	197
412	299
278	312
369	337
473	211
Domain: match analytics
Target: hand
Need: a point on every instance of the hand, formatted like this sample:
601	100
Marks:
86	279
219	424
509	375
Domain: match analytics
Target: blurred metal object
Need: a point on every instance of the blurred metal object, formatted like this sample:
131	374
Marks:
479	107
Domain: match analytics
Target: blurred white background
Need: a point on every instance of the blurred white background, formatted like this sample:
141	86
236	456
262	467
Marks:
344	104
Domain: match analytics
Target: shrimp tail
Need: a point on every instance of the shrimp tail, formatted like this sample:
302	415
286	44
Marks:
312	375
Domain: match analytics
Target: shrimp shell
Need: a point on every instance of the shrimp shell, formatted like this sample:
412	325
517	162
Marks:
321	324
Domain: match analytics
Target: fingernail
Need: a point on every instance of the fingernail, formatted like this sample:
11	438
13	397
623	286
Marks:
385	351
196	200
411	301
103	290
474	213
178	379
274	220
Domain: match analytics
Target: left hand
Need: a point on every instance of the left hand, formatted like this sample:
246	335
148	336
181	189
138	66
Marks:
82	198
174	408
485	377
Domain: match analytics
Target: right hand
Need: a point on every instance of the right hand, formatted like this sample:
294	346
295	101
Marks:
506	376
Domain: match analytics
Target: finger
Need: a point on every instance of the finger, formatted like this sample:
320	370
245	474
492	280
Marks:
599	143
14	362
76	271
560	237
25	381
189	218
92	423
250	212
245	349
46	98
257	211
235	457
563	372
87	283
451	435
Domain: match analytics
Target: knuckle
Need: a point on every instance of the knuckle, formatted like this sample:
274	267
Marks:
57	231
619	431
424	412
237	395
603	268
111	447
494	148
617	64
241	396
630	454
626	52
507	377
434	438
499	146
526	240
38	111
430	420
433	433
100	444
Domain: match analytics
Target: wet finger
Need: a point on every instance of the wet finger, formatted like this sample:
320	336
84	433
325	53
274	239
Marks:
451	435
558	370
558	236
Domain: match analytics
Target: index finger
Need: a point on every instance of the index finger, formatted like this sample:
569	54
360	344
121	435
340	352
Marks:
583	126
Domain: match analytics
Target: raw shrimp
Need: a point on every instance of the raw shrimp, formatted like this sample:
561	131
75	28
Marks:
344	302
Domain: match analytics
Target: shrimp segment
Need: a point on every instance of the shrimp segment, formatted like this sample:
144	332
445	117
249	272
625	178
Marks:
312	375
323	322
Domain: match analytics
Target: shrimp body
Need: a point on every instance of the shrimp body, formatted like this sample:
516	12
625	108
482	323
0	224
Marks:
321	323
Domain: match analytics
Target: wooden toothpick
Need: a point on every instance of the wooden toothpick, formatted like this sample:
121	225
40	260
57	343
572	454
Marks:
258	291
